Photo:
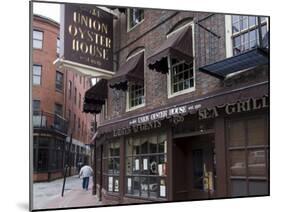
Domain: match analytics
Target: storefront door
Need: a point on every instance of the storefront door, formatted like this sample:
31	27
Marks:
193	167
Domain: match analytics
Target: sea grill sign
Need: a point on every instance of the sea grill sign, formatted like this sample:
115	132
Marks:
88	36
176	114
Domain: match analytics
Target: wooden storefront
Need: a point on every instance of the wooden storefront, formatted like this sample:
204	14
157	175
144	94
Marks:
187	152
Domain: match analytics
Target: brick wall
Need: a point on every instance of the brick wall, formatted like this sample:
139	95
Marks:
46	92
151	33
209	48
82	84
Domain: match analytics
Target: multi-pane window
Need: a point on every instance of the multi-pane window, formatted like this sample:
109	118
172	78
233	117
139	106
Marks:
82	131
58	109
79	103
37	69
135	16
37	39
41	153
58	120
58	45
182	75
146	166
69	89
74	122
248	156
75	95
59	81
69	115
111	161
84	82
36	106
245	32
56	154
104	109
135	95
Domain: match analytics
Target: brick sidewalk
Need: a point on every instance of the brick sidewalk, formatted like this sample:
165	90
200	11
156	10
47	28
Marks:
75	198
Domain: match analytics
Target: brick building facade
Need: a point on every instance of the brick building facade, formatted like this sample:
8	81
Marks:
187	110
51	103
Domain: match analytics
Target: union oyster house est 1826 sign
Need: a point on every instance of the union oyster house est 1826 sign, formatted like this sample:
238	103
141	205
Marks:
177	114
87	36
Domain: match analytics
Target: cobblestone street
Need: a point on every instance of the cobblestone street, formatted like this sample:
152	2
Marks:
48	194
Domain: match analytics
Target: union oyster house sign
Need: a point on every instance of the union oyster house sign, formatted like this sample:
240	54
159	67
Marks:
87	36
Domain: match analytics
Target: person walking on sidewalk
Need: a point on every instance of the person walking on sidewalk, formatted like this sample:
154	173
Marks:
85	172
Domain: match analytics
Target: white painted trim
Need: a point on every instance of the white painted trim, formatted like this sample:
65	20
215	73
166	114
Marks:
128	19
267	24
128	108
135	54
228	36
182	27
248	29
134	108
83	69
185	91
104	110
185	103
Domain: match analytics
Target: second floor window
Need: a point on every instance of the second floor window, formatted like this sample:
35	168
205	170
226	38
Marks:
58	109
74	122
135	16
135	96
69	115
58	121
182	76
37	69
37	39
245	32
36	106
75	95
59	81
69	88
58	46
79	103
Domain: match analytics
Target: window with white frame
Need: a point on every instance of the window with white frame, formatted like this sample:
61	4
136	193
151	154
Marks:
58	45
135	16
181	75
245	32
104	109
69	89
135	95
59	81
37	69
37	39
36	107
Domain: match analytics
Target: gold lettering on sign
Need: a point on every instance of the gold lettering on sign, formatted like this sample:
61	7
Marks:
238	107
90	35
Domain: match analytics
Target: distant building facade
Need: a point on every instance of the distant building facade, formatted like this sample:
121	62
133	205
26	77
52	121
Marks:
50	104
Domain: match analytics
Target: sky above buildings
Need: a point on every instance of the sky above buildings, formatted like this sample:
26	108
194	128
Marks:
49	10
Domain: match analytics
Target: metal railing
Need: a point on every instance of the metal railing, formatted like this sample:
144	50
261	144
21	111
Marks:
46	120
